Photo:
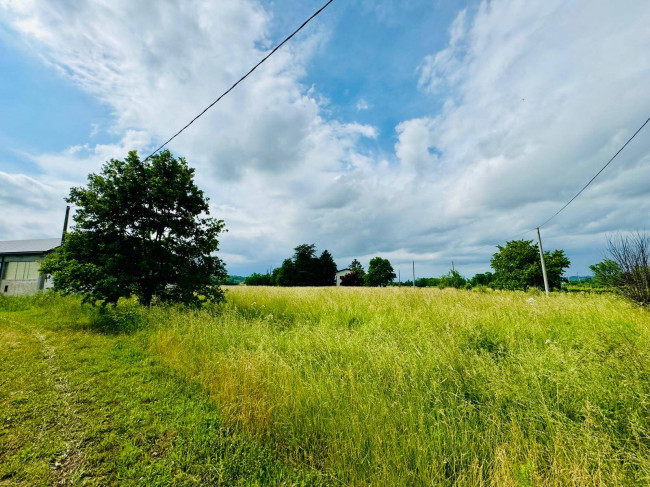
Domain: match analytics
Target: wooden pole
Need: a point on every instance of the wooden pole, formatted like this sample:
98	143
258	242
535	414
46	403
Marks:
541	257
65	222
413	273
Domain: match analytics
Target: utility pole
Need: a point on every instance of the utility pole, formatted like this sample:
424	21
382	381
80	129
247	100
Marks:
413	273
399	277
453	269
65	222
541	257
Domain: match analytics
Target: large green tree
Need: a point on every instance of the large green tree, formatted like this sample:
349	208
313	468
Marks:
327	266
306	268
141	228
380	272
306	265
286	274
517	266
606	273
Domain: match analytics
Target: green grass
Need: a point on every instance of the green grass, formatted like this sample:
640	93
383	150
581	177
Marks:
82	407
420	387
344	386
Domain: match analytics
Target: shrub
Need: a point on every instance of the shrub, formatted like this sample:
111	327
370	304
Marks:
631	254
256	279
354	278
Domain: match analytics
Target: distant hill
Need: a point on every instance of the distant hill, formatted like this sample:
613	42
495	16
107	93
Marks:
580	278
233	280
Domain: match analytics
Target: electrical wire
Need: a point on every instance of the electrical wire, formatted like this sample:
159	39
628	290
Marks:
242	78
597	174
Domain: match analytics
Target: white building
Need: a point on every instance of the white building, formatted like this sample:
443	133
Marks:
20	263
340	274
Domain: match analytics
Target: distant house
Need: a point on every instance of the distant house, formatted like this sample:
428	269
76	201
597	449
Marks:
340	274
20	263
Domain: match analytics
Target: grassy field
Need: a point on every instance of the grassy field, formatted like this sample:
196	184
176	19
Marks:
382	387
83	405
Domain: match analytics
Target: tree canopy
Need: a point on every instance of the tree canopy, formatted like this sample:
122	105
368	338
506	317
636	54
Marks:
380	272
257	279
517	266
452	279
141	228
357	275
606	273
484	279
305	268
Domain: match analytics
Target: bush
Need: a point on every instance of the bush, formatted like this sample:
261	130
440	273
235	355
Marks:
517	266
453	279
256	279
631	254
354	278
427	282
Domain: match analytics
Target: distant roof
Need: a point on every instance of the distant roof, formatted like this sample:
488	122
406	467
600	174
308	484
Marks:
342	270
35	246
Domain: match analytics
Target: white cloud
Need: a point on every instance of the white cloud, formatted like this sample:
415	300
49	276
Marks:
362	104
26	204
540	95
536	95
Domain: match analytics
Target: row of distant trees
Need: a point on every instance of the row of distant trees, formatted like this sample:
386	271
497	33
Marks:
516	266
306	268
380	273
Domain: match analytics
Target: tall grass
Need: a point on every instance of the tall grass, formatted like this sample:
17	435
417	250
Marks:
411	387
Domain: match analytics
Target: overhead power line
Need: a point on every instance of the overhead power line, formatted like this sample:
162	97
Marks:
242	78
597	174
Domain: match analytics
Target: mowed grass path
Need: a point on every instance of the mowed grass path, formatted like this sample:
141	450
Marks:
428	387
79	407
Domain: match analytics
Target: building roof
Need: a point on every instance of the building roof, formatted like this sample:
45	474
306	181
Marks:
343	270
35	246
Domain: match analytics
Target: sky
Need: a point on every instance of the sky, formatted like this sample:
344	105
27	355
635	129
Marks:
426	131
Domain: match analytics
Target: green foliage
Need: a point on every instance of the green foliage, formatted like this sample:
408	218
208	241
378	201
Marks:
426	282
452	279
356	277
285	274
517	266
306	266
484	279
380	272
231	280
353	279
306	269
606	273
355	266
327	269
256	279
141	228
